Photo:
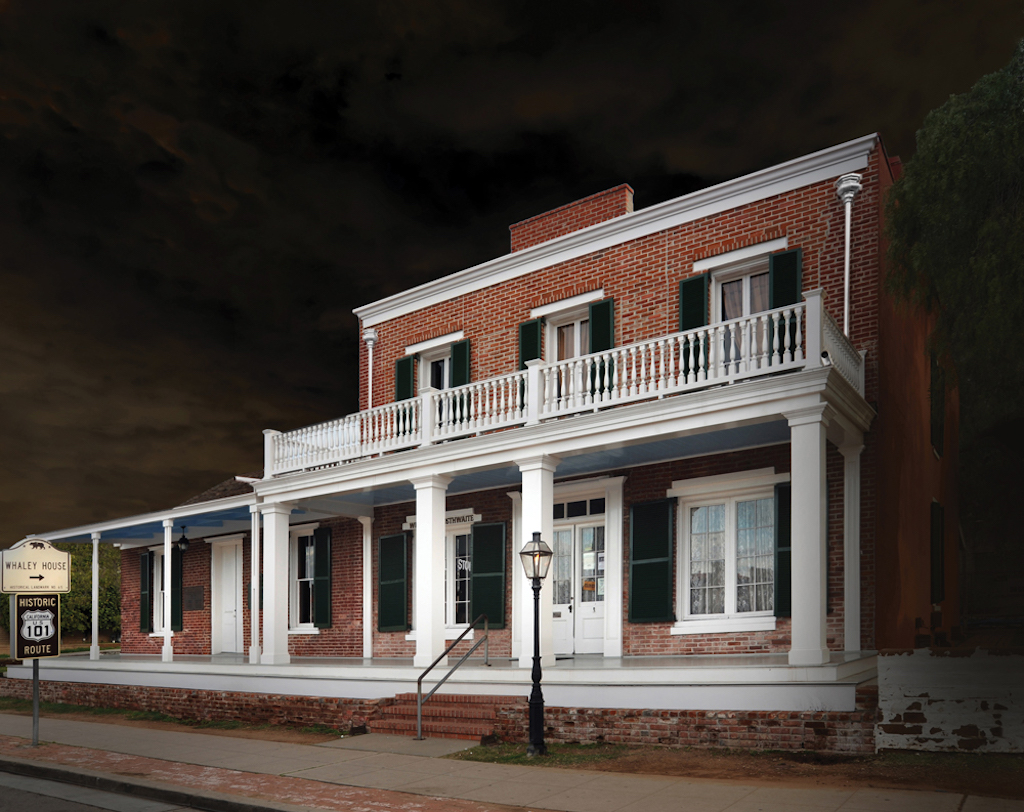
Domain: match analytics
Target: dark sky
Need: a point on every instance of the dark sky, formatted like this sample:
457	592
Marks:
194	195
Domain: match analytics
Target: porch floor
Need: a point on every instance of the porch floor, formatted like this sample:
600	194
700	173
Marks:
707	682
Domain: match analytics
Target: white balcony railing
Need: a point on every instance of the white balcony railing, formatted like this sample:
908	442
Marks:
780	340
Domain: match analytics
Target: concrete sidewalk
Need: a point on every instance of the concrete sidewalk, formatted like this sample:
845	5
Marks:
233	774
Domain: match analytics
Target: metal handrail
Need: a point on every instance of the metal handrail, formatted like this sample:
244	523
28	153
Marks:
420	699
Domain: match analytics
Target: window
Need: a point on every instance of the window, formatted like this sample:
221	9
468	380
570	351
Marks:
730	561
732	537
742	291
457	575
310	578
153	591
440	363
569	335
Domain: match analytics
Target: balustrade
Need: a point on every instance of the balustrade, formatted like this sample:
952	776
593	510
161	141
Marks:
765	343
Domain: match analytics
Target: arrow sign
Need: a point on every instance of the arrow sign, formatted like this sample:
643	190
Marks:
28	564
35	577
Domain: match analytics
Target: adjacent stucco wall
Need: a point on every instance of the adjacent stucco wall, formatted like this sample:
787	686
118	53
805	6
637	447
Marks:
951	700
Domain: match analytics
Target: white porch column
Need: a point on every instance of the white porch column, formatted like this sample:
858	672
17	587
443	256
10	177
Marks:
428	568
167	653
254	581
367	523
809	535
851	544
275	583
538	499
94	649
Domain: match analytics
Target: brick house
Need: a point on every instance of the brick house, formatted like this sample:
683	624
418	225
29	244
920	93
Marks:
708	408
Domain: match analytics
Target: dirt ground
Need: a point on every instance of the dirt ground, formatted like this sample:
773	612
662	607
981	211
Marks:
991	775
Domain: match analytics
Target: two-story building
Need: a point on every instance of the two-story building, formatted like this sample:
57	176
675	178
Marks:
708	408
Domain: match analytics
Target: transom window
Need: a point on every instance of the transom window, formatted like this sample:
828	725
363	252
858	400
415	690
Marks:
730	556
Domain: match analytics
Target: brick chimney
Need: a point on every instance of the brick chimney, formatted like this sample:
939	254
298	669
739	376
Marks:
572	217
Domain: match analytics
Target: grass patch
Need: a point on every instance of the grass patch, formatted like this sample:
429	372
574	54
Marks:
559	755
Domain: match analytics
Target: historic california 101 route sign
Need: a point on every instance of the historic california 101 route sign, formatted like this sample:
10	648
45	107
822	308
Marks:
34	565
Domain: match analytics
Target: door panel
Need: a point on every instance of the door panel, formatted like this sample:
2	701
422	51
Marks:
229	584
562	577
589	609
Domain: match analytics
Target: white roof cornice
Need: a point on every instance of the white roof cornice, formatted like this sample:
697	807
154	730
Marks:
784	177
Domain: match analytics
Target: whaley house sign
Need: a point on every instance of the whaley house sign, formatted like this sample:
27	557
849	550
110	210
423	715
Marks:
37	572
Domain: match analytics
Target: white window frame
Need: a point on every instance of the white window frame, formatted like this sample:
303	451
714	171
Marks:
732	265
294	534
158	595
729	489
431	350
575	309
449	574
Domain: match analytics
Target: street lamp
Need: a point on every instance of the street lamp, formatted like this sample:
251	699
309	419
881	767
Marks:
536	557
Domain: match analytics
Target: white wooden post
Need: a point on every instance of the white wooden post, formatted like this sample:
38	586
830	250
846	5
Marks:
537	510
428	416
167	652
815	319
94	649
534	393
269	436
275	583
367	523
851	544
254	584
809	533
428	568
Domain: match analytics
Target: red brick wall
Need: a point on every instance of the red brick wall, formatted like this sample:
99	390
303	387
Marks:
643	276
572	217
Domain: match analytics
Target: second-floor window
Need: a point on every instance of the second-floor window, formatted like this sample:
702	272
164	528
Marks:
440	363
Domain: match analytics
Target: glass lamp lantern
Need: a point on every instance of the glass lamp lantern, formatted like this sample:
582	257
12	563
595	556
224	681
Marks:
536	556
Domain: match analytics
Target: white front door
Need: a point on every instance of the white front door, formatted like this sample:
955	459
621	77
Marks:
578	568
227	607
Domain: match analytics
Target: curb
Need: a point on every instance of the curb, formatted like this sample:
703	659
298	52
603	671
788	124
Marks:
136	788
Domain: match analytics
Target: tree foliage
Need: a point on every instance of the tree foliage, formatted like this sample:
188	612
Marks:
955	223
76	606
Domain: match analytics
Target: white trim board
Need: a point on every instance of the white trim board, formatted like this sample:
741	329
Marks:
785	177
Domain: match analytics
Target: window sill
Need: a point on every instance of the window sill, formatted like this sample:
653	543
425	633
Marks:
159	634
304	630
757	623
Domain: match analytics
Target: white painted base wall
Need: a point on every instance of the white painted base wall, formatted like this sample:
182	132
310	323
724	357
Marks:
934	701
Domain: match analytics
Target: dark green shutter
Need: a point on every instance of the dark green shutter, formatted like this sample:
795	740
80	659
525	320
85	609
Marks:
392	595
693	302
176	616
145	589
937	397
529	341
322	577
602	325
405	377
938	556
693	313
460	363
784	278
650	562
783	550
784	285
487	580
602	337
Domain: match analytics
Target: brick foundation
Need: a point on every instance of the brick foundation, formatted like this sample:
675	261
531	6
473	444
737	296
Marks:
831	731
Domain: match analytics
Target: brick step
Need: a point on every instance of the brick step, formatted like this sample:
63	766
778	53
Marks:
465	699
443	711
447	730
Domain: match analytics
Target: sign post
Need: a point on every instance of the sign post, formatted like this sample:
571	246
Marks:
36	567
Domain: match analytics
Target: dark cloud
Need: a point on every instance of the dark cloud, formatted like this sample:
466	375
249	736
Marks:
194	195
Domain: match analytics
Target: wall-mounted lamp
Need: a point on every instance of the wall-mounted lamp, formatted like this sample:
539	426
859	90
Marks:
825	360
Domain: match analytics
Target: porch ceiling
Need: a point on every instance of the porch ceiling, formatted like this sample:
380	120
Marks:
591	462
